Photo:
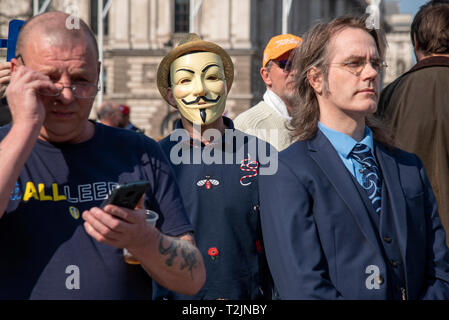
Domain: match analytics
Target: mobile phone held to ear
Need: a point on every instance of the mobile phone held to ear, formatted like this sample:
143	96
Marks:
126	195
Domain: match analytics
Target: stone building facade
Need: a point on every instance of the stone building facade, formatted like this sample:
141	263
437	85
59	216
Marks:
399	55
140	32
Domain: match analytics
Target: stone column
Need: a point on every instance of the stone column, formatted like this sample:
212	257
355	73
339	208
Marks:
340	7
119	25
213	20
152	25
139	17
315	10
165	11
240	24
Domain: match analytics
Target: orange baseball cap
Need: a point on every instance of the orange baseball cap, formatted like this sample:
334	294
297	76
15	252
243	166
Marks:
279	45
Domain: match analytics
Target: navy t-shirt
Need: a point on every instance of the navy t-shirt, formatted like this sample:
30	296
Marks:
46	252
222	202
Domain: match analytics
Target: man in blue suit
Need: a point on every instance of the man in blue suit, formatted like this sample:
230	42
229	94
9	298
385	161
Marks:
347	215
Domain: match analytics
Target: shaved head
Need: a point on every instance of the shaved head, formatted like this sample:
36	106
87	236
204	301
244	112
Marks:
54	46
51	26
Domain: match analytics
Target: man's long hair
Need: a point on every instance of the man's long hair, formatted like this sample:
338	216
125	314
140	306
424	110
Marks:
314	52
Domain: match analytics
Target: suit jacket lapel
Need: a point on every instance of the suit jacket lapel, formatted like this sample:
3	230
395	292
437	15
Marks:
390	174
324	154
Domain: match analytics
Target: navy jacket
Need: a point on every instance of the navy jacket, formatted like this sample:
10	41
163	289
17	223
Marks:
321	240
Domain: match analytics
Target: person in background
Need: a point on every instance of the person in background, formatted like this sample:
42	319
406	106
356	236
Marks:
125	123
416	104
269	119
109	114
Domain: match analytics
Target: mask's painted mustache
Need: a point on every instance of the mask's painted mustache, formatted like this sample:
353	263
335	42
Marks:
199	98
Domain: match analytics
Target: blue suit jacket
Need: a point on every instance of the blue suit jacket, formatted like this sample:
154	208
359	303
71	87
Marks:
318	236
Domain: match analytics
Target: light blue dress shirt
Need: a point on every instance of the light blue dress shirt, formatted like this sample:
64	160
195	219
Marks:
344	145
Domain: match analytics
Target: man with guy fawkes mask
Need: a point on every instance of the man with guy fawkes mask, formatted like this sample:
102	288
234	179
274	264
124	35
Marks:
221	196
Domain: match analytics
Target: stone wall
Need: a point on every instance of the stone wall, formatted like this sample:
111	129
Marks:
141	34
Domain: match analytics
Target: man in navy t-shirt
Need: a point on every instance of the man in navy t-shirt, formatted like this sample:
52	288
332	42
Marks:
57	167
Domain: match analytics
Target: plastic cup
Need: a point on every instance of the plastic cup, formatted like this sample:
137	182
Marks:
150	219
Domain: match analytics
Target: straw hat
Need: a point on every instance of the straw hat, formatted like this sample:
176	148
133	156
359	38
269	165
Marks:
192	42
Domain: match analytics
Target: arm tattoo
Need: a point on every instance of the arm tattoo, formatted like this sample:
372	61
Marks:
189	257
170	250
188	254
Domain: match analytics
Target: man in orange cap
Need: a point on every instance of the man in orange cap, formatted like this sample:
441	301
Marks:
268	119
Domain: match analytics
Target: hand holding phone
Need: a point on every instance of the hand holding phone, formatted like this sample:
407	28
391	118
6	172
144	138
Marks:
126	195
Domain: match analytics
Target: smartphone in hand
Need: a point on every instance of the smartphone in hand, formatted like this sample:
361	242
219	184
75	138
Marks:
126	195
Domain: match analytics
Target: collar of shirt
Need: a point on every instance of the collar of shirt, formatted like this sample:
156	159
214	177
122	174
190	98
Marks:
196	143
276	103
344	143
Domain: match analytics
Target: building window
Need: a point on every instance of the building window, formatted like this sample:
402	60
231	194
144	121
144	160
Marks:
182	16
400	67
93	18
332	9
40	3
105	80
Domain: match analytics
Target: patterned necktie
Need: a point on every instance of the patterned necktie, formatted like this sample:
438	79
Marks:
370	174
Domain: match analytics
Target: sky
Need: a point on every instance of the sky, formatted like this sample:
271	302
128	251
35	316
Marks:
410	6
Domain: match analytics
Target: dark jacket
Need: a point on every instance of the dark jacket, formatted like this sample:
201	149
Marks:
417	107
323	240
